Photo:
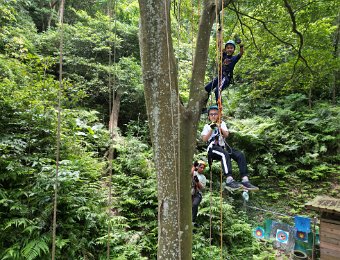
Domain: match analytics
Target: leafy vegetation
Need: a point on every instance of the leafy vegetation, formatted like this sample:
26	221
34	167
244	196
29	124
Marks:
282	113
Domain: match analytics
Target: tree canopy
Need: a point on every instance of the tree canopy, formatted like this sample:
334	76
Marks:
282	111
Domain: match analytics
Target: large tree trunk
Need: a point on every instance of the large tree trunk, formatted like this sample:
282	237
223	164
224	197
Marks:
172	126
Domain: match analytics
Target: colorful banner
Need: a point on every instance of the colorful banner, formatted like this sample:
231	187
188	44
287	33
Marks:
302	224
268	228
258	232
301	236
283	236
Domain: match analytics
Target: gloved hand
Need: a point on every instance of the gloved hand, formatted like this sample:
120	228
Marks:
213	125
196	179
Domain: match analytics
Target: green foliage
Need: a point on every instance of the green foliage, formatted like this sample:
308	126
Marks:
275	63
27	181
135	195
237	238
290	146
27	167
88	42
17	31
139	130
35	248
292	135
28	98
280	116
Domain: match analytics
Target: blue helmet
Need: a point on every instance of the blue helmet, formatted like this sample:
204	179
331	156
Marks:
230	42
213	107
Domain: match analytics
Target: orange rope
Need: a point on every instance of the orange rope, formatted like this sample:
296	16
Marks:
210	238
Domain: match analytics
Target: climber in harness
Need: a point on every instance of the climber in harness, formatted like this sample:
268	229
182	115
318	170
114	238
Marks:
228	61
214	134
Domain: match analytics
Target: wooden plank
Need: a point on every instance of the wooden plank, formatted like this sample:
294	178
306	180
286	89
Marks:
325	235
330	225
330	240
327	254
330	232
324	204
333	221
329	246
326	257
329	228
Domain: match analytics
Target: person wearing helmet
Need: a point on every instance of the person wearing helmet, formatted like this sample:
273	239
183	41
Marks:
228	61
198	184
214	134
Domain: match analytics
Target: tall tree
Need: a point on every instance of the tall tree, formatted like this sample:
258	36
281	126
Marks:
172	125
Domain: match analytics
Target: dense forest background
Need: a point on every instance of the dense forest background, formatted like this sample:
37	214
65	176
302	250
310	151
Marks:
283	112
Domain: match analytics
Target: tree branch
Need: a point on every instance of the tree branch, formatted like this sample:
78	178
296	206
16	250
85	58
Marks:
295	30
245	25
264	24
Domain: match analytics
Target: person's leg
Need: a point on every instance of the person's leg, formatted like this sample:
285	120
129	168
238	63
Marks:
241	161
240	158
211	85
196	200
223	84
218	153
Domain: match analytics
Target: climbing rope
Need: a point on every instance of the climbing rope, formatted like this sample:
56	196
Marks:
219	56
210	216
61	21
178	165
111	97
192	32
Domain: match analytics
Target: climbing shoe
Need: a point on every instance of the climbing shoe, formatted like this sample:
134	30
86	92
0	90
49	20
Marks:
247	185
233	185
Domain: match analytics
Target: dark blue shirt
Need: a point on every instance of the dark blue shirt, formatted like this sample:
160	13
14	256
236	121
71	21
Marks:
228	64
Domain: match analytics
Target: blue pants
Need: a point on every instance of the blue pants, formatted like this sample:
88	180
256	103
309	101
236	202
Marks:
213	84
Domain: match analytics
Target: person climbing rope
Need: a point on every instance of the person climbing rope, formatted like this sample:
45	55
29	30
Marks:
198	184
228	61
214	134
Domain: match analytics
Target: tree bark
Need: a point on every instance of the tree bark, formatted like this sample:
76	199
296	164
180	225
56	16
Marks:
113	123
173	126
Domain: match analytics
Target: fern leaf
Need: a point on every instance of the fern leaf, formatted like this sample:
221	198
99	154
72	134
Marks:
34	249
